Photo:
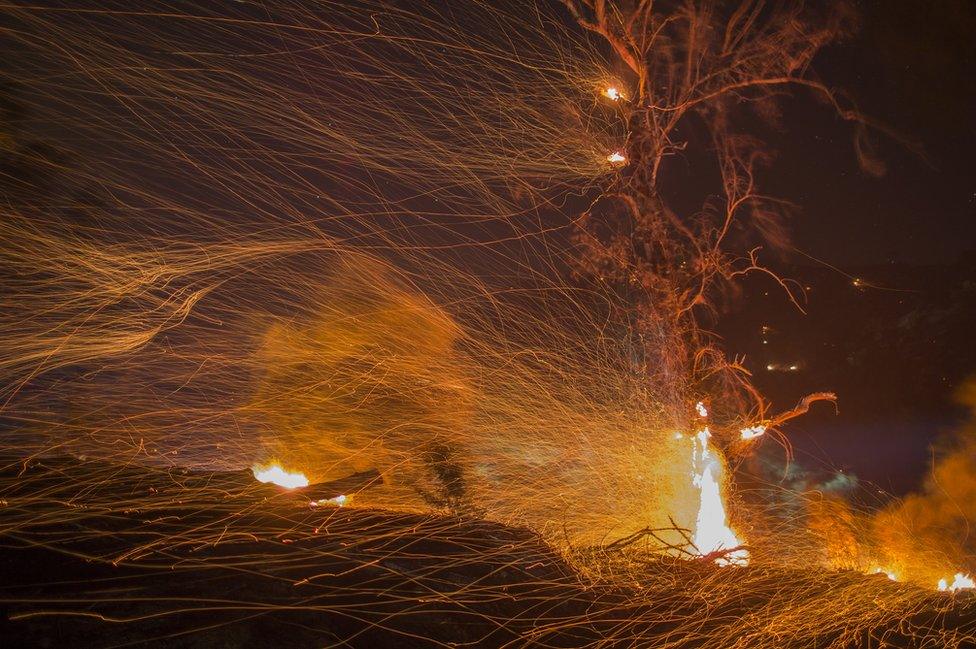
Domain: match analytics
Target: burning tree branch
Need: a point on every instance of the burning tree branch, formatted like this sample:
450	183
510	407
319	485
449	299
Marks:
801	408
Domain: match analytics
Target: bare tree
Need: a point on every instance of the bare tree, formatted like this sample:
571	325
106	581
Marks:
715	70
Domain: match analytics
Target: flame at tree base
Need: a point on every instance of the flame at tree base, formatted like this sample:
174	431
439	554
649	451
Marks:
712	532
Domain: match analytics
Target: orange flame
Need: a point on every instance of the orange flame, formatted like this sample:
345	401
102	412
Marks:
712	532
752	432
887	573
959	582
276	474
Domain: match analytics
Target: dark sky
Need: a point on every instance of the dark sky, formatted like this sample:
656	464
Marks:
911	68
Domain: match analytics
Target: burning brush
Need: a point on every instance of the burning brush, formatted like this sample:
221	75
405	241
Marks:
319	494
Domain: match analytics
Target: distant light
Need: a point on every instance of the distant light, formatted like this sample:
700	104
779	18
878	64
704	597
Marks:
765	342
612	93
616	158
770	368
857	282
793	368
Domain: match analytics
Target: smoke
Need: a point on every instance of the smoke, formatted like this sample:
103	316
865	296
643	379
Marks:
921	538
927	535
486	407
368	379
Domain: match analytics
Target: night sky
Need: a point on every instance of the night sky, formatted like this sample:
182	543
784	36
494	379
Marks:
910	68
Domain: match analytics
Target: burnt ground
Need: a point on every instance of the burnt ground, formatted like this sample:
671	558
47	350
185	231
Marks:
100	555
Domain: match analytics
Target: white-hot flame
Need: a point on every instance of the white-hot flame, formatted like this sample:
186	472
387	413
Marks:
275	474
337	501
887	573
712	531
612	93
616	158
702	410
753	432
959	582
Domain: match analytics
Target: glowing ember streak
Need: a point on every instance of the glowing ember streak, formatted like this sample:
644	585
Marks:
274	473
612	93
616	158
712	532
959	582
753	432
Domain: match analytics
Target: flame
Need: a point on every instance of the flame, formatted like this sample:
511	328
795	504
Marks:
616	158
959	582
702	410
887	573
338	501
612	93
753	432
275	474
712	532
